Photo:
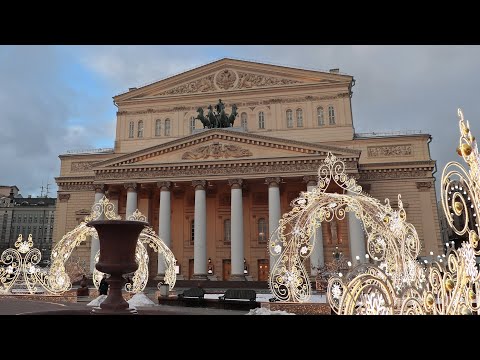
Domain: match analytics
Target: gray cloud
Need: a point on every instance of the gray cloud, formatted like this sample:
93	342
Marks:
36	102
397	88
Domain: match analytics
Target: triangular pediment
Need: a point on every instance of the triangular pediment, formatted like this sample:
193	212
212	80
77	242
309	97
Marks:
220	145
231	75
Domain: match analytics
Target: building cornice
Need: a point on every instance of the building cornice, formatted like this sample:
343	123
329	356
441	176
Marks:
222	134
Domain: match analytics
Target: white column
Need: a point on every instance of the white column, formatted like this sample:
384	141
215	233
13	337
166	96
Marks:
200	231
164	223
131	199
274	213
317	259
95	244
356	237
236	232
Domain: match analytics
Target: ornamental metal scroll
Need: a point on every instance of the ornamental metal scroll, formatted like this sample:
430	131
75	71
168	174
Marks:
391	240
450	285
56	280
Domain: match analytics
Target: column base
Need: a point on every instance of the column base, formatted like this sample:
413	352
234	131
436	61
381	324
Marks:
200	277
159	277
237	277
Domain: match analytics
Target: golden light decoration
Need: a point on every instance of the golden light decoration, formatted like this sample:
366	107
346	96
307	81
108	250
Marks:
450	285
391	240
20	266
56	280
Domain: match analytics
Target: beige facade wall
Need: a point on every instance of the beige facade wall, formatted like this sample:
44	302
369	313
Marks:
388	165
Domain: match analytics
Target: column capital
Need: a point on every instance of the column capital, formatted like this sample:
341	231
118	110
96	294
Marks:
164	185
63	197
199	184
100	188
273	181
424	185
235	183
311	180
130	186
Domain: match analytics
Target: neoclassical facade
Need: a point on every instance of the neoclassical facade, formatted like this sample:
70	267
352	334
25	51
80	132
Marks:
215	195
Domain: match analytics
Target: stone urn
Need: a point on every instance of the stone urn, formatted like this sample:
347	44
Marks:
118	239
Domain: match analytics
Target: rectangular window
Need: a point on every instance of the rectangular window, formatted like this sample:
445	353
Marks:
167	127
261	120
130	129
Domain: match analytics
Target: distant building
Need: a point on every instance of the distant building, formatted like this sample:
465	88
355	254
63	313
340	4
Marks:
26	216
5	191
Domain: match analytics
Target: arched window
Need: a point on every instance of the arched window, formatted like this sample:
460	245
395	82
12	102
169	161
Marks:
320	120
331	115
192	124
243	118
299	118
167	127
261	120
289	118
130	129
262	230
227	231
158	127
192	232
140	129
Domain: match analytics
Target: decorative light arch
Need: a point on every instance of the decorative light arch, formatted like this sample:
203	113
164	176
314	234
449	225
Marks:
56	280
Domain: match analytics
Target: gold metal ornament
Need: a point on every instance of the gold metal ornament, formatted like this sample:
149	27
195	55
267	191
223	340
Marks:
56	280
448	286
391	240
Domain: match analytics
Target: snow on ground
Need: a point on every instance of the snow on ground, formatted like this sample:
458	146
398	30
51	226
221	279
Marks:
96	302
265	311
140	299
266	297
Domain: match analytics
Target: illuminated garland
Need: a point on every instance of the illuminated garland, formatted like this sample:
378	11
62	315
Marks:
391	240
56	280
448	287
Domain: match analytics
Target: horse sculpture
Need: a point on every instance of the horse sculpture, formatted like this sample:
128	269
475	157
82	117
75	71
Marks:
220	119
212	118
203	119
233	115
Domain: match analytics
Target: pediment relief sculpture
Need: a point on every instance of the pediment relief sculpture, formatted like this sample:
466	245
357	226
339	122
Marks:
227	79
217	151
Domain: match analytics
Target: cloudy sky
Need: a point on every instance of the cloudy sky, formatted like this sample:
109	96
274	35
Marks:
59	98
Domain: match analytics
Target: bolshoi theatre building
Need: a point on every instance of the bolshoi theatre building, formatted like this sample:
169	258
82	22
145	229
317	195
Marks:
214	195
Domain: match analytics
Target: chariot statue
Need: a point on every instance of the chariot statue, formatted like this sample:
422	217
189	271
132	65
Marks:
217	117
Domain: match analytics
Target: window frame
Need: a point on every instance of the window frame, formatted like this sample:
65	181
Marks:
261	120
167	127
131	129
140	128
331	115
289	115
227	232
262	239
320	116
299	119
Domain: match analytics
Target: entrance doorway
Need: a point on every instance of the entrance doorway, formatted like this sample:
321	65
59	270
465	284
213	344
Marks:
190	269
226	269
263	269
